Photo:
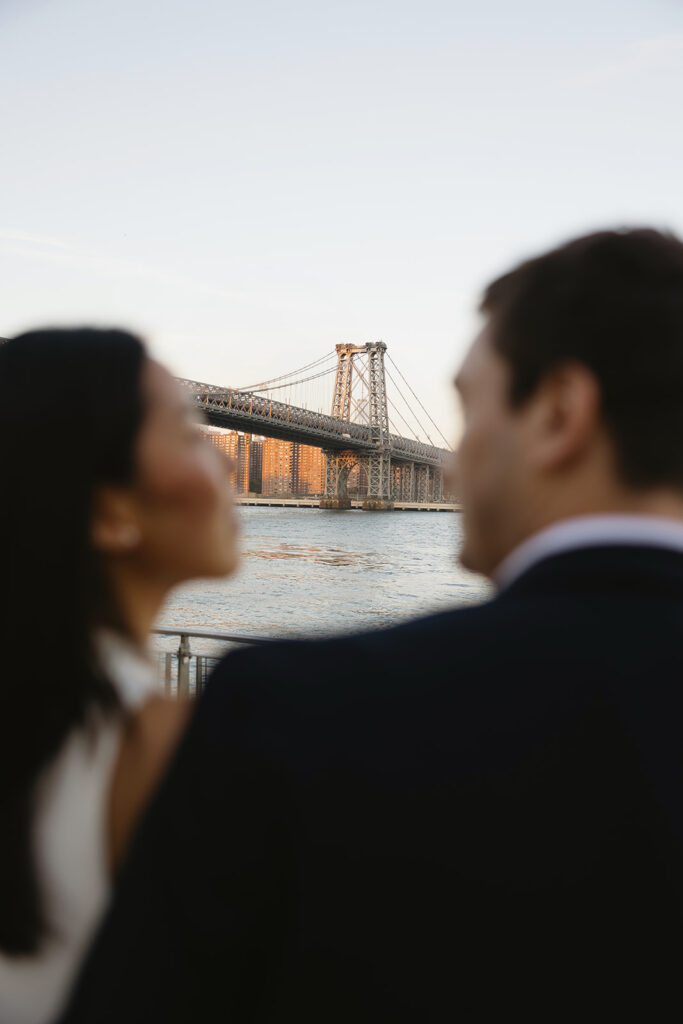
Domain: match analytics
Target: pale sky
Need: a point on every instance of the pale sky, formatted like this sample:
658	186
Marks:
248	184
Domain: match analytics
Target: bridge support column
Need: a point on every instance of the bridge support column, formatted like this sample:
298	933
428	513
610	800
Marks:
337	468
379	498
397	470
402	479
408	482
437	488
379	460
422	485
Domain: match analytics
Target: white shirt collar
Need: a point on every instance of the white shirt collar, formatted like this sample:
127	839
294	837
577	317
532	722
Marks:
129	669
590	531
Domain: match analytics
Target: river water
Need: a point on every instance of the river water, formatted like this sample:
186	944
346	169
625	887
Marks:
308	572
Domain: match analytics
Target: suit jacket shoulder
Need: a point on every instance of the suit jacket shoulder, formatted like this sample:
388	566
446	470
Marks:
479	810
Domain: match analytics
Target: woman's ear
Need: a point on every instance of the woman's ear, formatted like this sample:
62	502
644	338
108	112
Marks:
113	526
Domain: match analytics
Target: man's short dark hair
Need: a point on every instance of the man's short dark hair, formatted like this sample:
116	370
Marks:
612	301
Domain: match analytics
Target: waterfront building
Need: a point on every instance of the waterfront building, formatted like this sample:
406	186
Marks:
308	470
256	465
290	468
238	448
277	464
270	466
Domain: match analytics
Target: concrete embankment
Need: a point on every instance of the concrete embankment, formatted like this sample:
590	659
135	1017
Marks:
399	506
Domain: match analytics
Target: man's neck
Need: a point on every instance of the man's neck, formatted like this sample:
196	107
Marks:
555	507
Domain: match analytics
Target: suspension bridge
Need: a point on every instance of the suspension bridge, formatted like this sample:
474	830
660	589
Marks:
366	426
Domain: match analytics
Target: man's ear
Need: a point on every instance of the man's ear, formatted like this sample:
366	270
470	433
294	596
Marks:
566	415
113	526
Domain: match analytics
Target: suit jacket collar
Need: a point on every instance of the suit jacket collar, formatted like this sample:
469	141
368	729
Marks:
642	570
590	531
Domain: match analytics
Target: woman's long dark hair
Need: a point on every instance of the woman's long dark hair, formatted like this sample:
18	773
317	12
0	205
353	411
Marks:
70	411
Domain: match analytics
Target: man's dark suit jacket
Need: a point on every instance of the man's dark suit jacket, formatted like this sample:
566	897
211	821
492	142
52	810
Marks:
469	817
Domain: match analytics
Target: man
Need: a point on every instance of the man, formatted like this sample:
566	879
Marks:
480	813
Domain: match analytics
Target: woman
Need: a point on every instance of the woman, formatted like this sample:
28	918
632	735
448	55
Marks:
110	496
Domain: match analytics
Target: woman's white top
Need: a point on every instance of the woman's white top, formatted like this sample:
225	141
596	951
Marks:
70	826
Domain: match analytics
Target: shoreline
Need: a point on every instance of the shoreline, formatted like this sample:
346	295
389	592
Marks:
356	504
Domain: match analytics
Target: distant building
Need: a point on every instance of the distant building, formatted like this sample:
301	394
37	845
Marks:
256	466
277	465
270	466
238	448
292	468
309	470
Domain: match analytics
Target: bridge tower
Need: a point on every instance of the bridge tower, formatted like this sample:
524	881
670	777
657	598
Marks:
343	381
377	462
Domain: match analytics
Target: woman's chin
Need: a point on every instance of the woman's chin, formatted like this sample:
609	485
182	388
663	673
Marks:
227	565
220	562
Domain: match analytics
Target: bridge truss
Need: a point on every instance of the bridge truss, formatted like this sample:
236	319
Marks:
356	433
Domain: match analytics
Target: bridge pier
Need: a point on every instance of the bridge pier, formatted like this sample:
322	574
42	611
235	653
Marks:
408	482
437	488
415	482
379	496
402	481
422	484
337	468
395	481
335	503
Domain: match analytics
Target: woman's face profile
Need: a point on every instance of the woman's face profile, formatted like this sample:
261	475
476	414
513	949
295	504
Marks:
180	505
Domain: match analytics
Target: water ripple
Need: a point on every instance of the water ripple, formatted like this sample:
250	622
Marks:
311	572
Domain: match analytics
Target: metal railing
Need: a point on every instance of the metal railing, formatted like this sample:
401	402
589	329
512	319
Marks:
184	672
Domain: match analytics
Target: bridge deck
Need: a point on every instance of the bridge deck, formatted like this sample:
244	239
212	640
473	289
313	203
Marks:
252	413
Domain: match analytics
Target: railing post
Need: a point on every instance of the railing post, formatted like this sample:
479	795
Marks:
184	655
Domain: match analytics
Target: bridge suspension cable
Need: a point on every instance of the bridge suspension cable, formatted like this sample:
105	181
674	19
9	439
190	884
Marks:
290	383
422	428
262	385
412	431
416	398
403	420
311	393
